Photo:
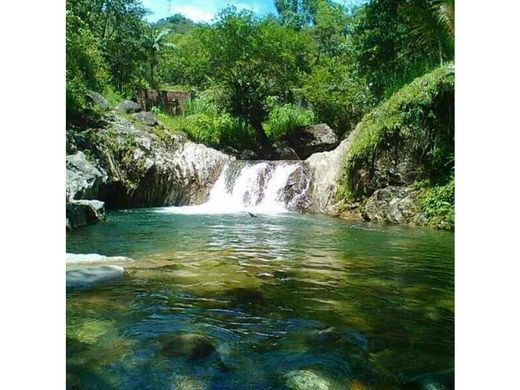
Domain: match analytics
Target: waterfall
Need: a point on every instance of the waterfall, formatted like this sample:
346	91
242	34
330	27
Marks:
265	187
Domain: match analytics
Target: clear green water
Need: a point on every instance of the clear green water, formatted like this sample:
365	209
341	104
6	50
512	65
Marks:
367	306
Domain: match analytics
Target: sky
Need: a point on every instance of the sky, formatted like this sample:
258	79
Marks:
205	10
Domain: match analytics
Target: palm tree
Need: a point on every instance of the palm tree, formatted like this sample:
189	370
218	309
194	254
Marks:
432	24
154	42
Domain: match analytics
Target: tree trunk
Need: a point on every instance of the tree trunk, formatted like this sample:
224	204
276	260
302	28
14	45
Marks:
152	84
265	148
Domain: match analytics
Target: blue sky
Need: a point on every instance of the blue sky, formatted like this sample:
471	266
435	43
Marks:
205	10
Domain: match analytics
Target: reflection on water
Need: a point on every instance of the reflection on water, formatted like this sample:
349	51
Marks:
365	306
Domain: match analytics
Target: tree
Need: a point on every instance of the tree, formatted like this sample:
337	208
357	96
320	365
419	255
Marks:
296	13
252	59
85	69
118	27
187	62
395	41
154	42
432	24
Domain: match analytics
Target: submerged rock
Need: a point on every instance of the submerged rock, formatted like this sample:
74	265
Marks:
189	346
306	380
84	212
442	380
128	106
184	382
81	258
86	277
90	332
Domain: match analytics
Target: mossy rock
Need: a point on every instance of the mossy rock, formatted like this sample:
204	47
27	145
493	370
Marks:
408	137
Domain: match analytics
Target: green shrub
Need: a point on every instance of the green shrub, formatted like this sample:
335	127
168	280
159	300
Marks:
204	122
438	204
285	118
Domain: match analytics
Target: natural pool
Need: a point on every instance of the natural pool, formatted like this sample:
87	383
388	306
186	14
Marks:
360	305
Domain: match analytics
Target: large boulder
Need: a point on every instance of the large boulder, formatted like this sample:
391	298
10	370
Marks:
306	140
128	106
84	212
99	100
395	205
84	179
89	276
146	117
145	169
326	169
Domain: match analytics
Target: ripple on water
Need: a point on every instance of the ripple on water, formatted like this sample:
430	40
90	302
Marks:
347	301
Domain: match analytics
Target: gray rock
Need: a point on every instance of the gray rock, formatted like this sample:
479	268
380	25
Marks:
307	140
84	179
326	169
146	117
128	106
99	100
296	191
137	168
84	212
155	172
88	258
89	276
247	154
282	151
395	205
306	380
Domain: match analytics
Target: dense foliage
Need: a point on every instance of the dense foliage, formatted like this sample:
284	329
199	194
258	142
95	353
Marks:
317	54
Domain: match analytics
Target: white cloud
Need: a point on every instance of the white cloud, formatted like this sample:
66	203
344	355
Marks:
194	13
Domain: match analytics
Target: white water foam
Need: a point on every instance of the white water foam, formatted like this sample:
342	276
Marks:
257	188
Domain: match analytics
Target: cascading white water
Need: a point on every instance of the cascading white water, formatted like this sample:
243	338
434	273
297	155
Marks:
257	187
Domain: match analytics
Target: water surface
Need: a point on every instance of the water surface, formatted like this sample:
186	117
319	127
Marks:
357	303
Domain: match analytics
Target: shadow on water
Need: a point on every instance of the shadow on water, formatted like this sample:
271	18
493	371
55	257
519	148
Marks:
358	304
